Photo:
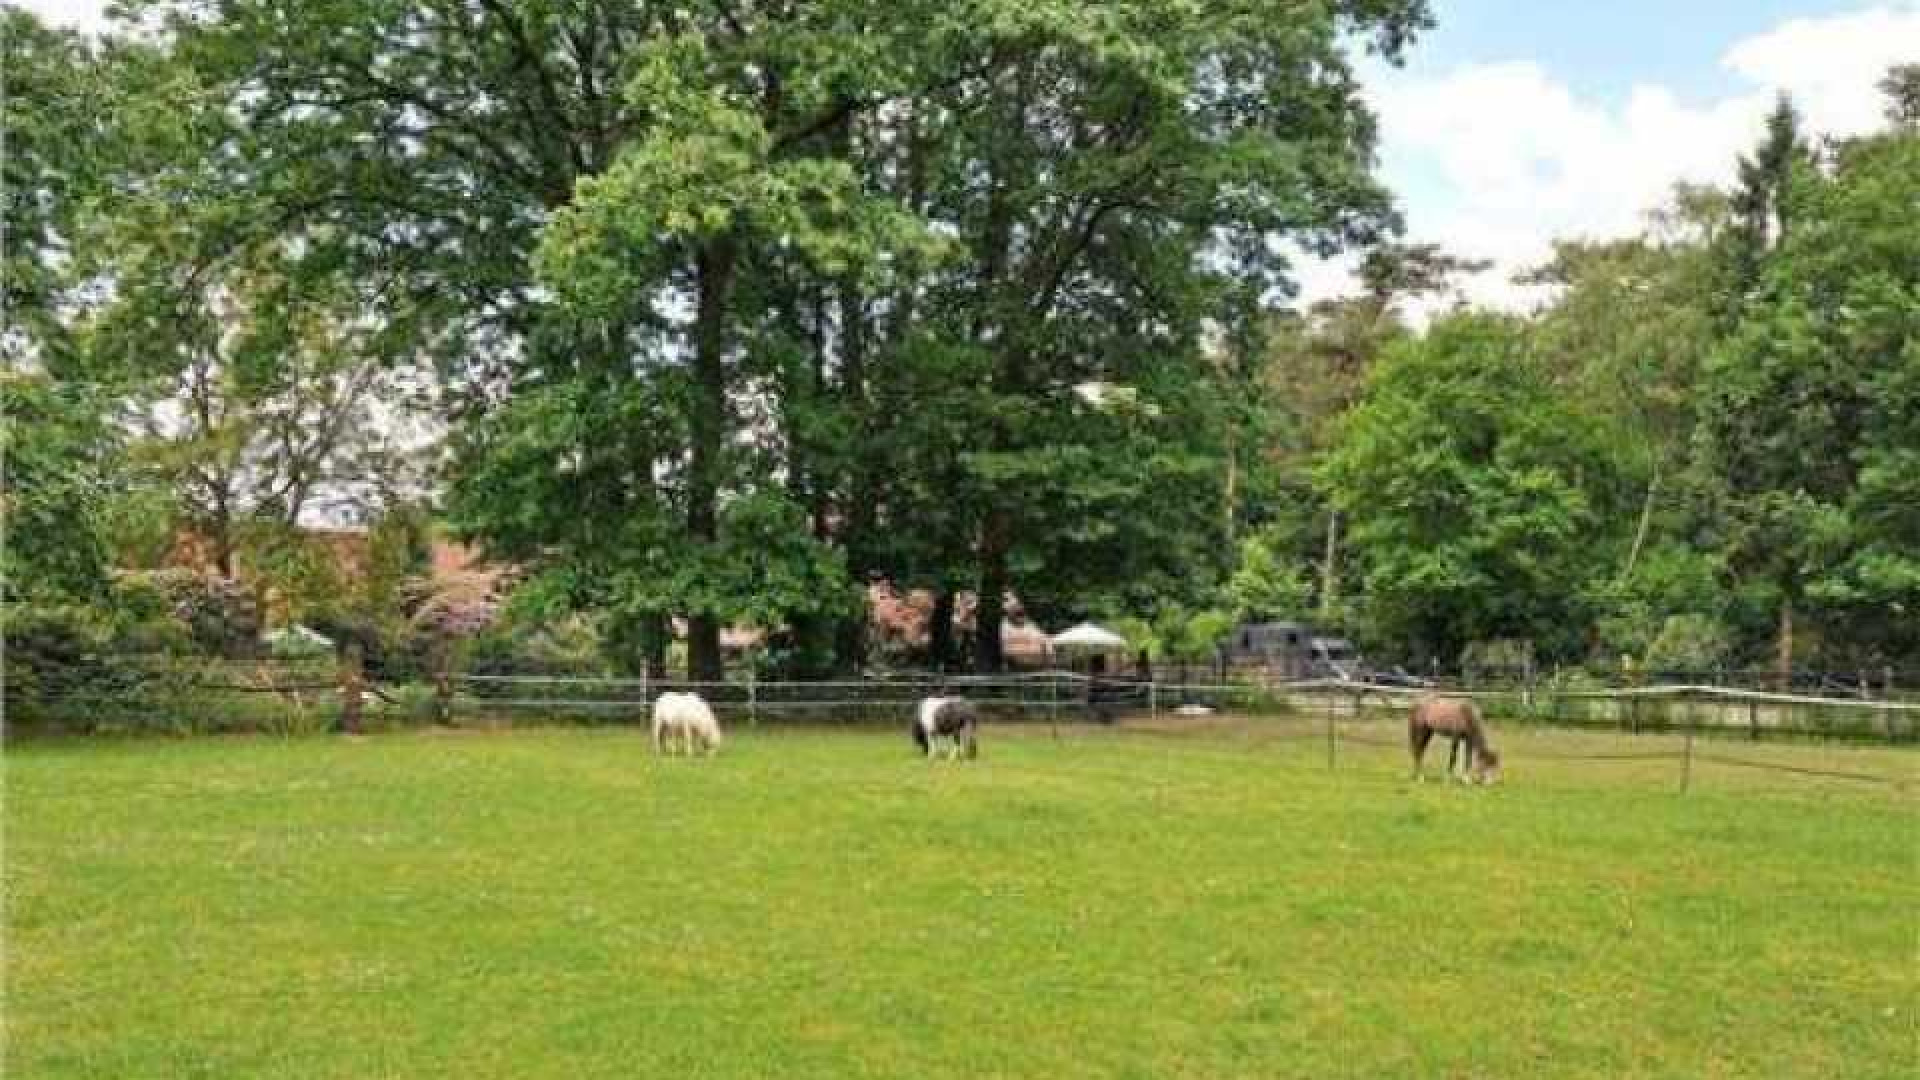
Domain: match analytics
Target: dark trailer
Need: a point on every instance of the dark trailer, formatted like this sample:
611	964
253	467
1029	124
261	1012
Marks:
1288	650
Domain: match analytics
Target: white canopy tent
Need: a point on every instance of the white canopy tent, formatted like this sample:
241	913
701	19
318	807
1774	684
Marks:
1088	638
1094	650
297	637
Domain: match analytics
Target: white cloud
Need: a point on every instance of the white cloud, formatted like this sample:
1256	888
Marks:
1496	160
1831	65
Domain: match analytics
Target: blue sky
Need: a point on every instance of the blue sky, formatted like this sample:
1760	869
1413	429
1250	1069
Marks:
1602	48
1518	121
1513	123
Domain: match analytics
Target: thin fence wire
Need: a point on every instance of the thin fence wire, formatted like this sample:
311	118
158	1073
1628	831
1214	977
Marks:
1832	774
300	698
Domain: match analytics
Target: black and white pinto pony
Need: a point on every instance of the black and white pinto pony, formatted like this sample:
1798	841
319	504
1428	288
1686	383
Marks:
688	719
949	718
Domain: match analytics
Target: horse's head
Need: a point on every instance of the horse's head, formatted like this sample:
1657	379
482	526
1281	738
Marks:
1488	766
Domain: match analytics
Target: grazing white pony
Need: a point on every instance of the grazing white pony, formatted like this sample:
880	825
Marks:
687	717
951	718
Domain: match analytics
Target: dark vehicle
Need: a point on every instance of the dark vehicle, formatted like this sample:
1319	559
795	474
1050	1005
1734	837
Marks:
1397	676
1289	650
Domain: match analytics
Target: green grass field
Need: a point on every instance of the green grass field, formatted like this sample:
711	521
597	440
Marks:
562	904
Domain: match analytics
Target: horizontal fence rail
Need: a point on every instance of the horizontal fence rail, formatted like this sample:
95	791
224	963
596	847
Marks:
116	693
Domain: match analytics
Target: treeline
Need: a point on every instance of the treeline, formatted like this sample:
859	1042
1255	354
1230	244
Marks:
1703	452
725	308
715	313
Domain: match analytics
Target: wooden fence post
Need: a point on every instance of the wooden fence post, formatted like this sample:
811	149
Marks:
1686	763
443	691
1526	681
1330	700
351	689
1753	720
1886	695
753	697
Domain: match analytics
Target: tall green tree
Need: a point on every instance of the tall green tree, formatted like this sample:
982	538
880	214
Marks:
51	121
1117	188
734	183
1806	422
1308	372
1471	487
419	150
60	455
1091	181
761	229
1902	87
1763	203
1627	340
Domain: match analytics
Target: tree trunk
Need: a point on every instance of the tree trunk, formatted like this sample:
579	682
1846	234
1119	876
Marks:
989	655
1330	566
1231	494
707	424
861	492
1784	659
704	661
221	529
223	550
850	639
940	630
655	633
1646	521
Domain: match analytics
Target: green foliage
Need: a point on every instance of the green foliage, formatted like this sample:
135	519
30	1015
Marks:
731	311
524	643
61	478
1902	87
222	616
1808	425
1193	636
1266	585
1691	643
52	113
1668	580
1468	485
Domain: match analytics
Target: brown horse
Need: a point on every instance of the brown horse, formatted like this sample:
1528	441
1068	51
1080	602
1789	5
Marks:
1459	721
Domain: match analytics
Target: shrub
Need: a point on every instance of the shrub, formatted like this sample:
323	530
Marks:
1688	643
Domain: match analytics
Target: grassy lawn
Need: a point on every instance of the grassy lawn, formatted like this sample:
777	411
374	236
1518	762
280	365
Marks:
561	904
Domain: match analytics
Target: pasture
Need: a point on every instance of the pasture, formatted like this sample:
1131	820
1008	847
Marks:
1147	903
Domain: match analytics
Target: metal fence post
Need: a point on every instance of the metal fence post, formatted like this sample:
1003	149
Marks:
1153	699
753	699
